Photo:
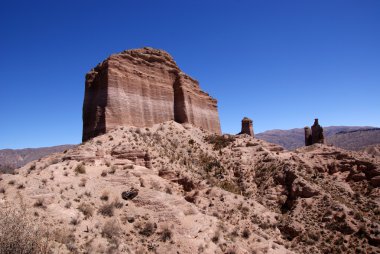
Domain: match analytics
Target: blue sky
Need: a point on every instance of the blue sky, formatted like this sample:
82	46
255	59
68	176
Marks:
281	63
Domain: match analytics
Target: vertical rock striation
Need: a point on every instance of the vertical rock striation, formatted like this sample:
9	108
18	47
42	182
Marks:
142	87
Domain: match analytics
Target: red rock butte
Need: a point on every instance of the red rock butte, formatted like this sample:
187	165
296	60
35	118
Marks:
143	87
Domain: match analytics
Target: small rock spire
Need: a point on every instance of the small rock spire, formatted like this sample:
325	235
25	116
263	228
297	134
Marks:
247	126
315	135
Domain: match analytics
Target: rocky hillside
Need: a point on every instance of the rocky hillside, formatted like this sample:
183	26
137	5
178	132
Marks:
347	137
372	150
11	159
177	189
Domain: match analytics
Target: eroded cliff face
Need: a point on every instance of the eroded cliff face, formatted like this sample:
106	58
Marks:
142	87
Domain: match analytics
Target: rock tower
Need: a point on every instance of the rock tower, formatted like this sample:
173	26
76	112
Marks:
247	126
308	138
315	135
143	87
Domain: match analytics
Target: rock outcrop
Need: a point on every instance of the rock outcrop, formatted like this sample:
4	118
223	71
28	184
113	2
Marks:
315	135
246	126
142	87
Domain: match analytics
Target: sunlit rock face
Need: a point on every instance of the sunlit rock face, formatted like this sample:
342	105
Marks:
142	87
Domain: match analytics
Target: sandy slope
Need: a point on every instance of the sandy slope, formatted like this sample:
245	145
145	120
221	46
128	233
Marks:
246	196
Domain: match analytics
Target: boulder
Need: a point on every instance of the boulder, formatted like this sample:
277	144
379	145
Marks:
131	194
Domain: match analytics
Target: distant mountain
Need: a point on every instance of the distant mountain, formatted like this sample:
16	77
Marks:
11	159
347	137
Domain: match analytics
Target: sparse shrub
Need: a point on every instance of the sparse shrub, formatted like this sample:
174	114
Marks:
104	173
215	238
66	237
246	233
80	169
187	184
219	142
74	221
21	186
39	203
20	233
86	209
68	205
11	182
148	229
209	163
104	196
82	182
168	190
2	190
32	167
166	234
106	209
111	229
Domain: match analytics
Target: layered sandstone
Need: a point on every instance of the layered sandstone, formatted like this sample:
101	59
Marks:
142	87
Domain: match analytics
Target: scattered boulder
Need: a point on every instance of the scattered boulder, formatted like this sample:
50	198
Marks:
131	194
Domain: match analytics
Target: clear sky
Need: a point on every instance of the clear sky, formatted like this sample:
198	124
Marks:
281	63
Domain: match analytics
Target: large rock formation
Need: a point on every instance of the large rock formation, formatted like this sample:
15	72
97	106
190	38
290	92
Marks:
142	87
315	135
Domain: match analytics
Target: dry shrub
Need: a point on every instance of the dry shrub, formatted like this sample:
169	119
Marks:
148	229
64	236
111	229
20	233
246	233
39	203
104	196
80	169
166	234
86	209
104	173
82	182
107	209
219	142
